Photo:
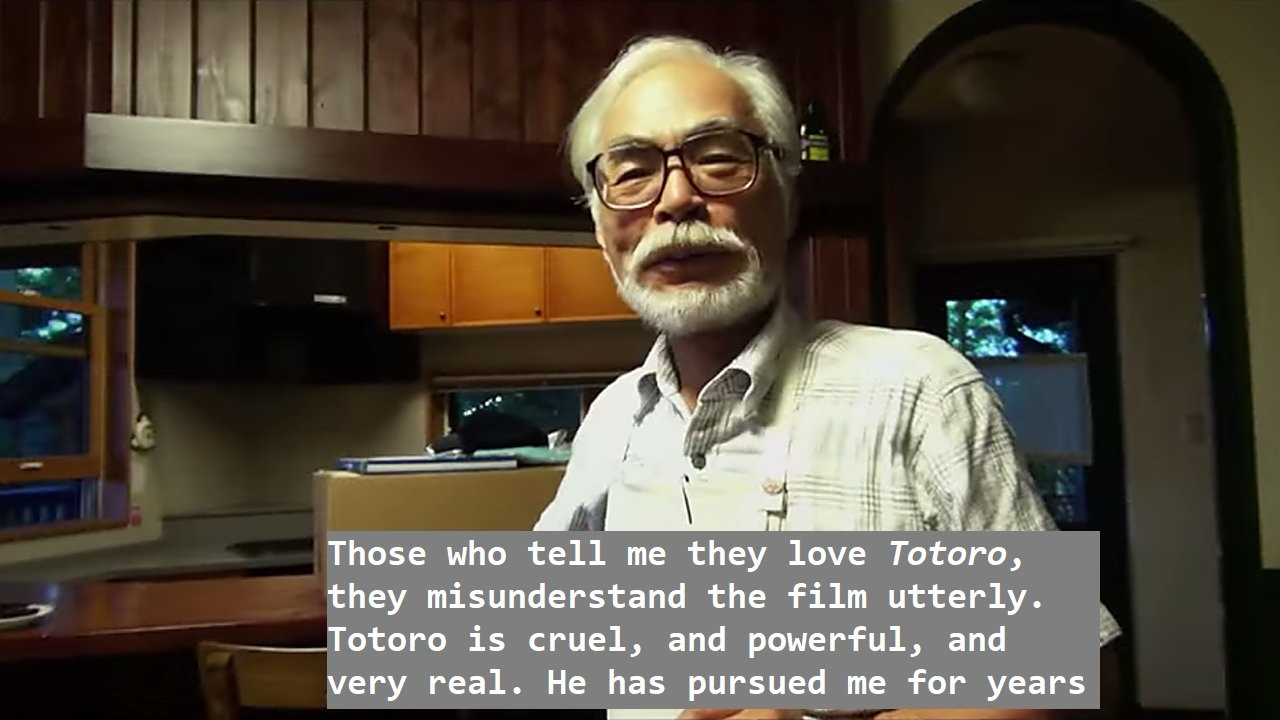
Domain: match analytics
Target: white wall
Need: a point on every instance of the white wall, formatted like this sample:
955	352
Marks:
241	447
1164	381
1238	38
245	446
982	183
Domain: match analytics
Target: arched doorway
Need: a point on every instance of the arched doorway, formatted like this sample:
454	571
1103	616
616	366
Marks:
1206	114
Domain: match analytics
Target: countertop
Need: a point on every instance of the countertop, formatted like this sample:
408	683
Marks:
113	618
189	545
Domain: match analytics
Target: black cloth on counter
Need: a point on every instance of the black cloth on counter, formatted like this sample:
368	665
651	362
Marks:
490	430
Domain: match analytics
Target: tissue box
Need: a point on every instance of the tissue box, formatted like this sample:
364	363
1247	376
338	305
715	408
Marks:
479	500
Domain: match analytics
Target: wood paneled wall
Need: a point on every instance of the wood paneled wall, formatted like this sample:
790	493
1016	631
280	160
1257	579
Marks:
55	58
501	69
829	276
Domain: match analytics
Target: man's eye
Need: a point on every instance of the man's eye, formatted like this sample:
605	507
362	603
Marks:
631	175
720	159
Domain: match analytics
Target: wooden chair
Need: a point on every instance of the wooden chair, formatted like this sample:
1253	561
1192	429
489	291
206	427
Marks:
248	676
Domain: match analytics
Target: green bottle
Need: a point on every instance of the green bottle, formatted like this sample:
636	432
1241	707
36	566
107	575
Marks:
815	142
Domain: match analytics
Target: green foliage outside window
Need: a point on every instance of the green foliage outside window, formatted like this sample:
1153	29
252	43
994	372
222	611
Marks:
994	327
63	283
976	328
45	392
53	282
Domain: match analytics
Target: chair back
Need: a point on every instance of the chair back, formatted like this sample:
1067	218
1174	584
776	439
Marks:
249	676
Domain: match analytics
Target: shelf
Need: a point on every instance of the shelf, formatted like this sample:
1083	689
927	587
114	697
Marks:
115	165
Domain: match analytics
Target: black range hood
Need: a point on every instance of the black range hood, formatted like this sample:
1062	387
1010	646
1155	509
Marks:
287	310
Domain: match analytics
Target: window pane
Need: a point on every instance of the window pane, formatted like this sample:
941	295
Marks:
30	504
548	409
1062	487
41	325
999	327
44	407
51	281
1046	400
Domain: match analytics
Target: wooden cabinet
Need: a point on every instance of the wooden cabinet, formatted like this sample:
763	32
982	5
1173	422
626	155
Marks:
440	284
496	284
829	277
418	278
580	286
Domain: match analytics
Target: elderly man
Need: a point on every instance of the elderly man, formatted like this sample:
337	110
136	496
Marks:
742	416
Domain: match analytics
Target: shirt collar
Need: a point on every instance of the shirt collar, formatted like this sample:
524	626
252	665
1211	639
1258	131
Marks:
756	366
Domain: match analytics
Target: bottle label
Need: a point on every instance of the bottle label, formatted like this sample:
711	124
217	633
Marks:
815	147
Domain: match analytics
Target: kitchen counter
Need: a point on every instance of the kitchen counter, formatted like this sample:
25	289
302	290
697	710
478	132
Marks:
128	649
116	618
195	544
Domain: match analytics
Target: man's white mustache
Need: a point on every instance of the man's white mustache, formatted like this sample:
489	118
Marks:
689	234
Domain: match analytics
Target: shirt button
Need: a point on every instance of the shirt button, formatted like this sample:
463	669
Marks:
771	486
699	460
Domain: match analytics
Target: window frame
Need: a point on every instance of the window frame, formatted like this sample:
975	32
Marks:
440	388
106	304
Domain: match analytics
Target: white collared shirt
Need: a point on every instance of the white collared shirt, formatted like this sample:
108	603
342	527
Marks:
891	430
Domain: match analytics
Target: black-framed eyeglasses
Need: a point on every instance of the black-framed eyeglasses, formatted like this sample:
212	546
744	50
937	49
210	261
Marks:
717	163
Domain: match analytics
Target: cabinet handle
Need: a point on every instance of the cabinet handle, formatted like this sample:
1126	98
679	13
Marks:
537	311
442	315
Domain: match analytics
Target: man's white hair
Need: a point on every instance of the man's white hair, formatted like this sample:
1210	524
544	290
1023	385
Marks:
754	74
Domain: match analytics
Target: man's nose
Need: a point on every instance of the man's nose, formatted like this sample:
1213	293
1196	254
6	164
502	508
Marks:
680	200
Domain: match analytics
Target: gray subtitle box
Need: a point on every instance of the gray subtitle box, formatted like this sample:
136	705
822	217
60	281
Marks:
871	620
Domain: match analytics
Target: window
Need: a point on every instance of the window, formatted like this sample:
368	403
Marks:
548	409
1028	354
43	504
996	327
1062	486
63	356
548	402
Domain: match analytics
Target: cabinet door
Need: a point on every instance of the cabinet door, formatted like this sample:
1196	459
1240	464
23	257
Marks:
419	285
496	284
581	287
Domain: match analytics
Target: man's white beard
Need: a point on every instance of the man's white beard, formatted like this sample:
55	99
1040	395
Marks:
695	307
